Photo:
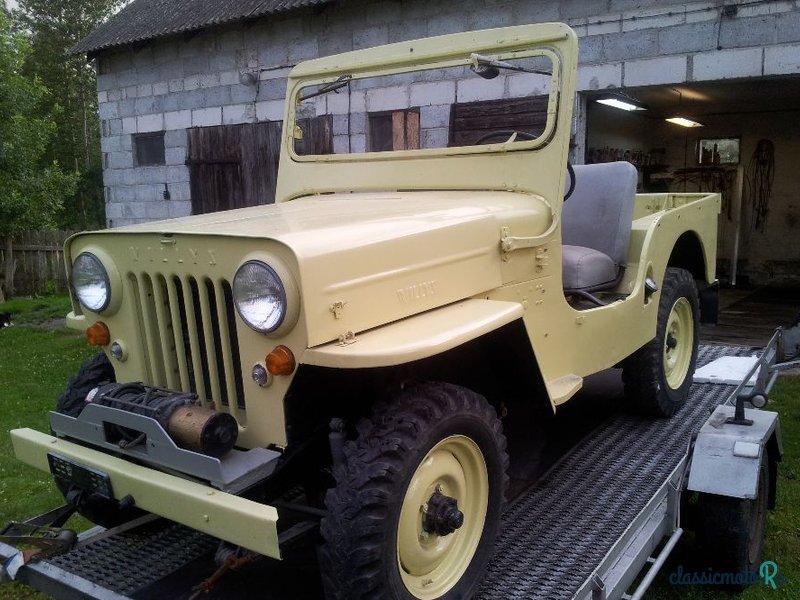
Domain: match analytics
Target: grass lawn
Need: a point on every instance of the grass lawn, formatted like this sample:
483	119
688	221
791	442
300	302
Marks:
35	364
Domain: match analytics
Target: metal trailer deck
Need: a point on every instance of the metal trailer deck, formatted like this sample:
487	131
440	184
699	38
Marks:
584	530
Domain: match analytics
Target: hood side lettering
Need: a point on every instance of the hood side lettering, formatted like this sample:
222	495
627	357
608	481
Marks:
418	291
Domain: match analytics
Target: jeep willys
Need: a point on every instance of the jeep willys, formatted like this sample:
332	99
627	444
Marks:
365	346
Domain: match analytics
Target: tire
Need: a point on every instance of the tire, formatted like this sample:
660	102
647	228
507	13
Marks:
730	533
99	510
657	377
434	441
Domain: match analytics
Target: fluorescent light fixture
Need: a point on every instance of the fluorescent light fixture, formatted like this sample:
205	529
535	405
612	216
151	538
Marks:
684	122
621	104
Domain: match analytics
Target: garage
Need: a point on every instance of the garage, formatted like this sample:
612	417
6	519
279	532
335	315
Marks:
740	137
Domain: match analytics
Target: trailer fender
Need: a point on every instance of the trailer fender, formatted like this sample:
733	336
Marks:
726	458
417	337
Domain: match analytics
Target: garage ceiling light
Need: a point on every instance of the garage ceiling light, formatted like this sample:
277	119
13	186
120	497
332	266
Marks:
622	102
684	122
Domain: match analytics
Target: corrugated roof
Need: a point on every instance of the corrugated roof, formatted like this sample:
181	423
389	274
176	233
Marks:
147	19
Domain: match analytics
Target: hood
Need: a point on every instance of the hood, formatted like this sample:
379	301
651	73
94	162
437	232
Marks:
378	257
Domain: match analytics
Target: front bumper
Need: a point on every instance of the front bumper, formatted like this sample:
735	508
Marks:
231	518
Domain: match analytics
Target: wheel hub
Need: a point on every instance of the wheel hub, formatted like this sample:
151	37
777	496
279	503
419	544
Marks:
442	516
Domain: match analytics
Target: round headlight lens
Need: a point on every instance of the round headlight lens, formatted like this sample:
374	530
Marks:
90	282
259	296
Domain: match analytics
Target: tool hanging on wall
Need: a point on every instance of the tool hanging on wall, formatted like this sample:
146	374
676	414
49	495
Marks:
759	175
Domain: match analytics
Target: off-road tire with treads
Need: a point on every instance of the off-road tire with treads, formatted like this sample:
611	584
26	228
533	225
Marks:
730	531
360	556
645	373
99	510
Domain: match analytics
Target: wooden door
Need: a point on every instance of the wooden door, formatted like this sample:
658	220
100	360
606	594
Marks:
471	120
233	166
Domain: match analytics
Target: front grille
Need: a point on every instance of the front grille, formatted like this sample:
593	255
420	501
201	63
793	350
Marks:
189	341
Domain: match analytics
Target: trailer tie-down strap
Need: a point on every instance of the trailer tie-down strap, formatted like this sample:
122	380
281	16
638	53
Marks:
34	542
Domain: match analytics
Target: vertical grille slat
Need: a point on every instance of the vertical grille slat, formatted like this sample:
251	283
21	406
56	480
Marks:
190	339
150	330
180	334
165	332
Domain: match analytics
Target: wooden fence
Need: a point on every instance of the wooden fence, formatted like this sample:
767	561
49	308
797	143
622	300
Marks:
40	262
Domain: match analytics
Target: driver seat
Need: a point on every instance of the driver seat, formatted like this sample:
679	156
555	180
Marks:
596	226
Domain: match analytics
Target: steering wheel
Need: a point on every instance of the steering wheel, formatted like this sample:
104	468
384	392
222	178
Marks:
524	135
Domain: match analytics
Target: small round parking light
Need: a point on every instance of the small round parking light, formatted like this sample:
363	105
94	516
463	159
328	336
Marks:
260	375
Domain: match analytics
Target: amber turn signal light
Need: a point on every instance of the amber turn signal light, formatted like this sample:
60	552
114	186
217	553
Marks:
98	335
281	361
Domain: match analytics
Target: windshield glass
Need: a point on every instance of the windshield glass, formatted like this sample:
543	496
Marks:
479	101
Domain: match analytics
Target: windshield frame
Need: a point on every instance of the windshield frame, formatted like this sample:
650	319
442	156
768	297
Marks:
300	90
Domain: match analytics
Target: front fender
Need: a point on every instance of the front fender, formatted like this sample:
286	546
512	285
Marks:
417	337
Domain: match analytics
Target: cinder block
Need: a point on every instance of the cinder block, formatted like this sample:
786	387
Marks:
472	90
179	208
590	50
435	138
191	99
542	11
448	23
272	89
125	78
782	60
207	117
390	98
370	37
147	105
654	71
114	95
230	39
111	143
124	193
171	70
699	12
102	97
108	110
358	102
766	8
112	177
377	13
217	96
527	84
129	125
146	123
180	192
144	89
630	44
247	58
303	49
428	94
107	81
727	64
756	31
575	9
337	103
130	92
114	126
358	123
127	107
175	138
169	102
408	29
788	27
490	17
238	113
599	77
603	25
239	94
358	143
177	174
119	160
341	144
269	110
691	37
336	44
157	210
650	18
160	88
175	156
434	116
229	78
222	62
179	119
146	75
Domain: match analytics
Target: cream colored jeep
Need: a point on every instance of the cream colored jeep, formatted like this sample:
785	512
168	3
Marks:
370	337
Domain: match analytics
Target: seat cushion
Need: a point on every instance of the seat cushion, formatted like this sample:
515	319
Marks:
585	268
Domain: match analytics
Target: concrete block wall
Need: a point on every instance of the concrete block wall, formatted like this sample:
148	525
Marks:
177	83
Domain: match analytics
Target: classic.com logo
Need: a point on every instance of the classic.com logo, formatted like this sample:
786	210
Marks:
768	574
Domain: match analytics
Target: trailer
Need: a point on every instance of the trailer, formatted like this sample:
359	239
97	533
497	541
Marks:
599	524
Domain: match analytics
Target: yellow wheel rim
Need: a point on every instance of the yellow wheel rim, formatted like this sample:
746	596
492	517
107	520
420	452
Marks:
430	564
678	343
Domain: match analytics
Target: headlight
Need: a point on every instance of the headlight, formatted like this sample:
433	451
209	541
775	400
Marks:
90	282
260	296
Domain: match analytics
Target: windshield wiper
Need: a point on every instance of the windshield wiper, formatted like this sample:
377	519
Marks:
342	81
489	68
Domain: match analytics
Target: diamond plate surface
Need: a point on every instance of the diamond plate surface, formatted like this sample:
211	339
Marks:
556	534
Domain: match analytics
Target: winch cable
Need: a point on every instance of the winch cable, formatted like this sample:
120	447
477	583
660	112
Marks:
759	176
141	399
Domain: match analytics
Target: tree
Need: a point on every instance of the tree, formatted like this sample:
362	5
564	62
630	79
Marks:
31	190
54	28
